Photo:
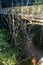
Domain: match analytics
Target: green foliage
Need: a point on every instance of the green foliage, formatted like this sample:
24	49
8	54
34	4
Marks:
37	2
8	55
4	37
3	24
11	55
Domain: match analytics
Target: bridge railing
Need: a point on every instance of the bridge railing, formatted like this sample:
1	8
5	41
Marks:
36	9
4	10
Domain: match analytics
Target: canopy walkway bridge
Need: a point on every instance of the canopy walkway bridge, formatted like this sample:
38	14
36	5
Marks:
19	11
31	15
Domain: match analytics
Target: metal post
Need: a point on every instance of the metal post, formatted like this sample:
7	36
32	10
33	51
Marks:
0	4
13	26
41	34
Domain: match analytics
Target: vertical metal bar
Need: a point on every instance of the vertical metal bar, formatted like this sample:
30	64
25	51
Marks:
0	4
41	34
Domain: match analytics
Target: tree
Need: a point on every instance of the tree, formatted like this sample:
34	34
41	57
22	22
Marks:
37	1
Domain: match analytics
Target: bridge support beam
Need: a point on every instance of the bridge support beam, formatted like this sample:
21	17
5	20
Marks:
13	31
11	25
